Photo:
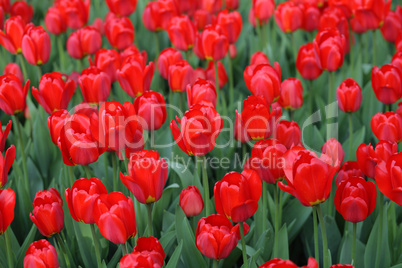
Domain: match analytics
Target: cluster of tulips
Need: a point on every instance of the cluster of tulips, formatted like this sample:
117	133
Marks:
126	99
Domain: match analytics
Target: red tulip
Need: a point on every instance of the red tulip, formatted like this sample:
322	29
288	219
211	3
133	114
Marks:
231	22
288	133
214	42
291	96
83	42
216	237
200	126
12	94
22	9
11	37
54	93
385	149
191	201
119	32
237	195
212	6
334	17
329	45
334	151
222	76
367	159
232	4
5	4
151	109
13	68
187	6
308	178
168	56
95	85
348	169
392	25
279	263
264	80
115	217
7	205
289	17
134	77
306	63
36	45
76	12
157	14
371	14
81	198
387	126
2	15
122	7
259	58
341	266
387	83
240	133
55	21
349	96
41	254
355	199
4	134
202	18
261	11
5	164
311	16
108	61
147	176
147	253
132	50
388	178
47	214
180	75
397	60
181	31
201	92
398	42
55	122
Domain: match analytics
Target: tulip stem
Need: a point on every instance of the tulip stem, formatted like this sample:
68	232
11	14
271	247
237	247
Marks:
294	47
231	89
114	165
379	242
10	258
22	149
193	226
354	244
96	243
387	107
63	248
24	69
277	221
350	135
150	227
124	249
218	93
316	250
61	52
258	28
264	204
243	245
205	184
311	97
374	48
331	87
156	45
87	171
216	264
71	174
324	237
106	164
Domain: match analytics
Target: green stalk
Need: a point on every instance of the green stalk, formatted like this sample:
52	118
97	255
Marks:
71	175
10	259
216	265
61	52
324	236
311	97
150	227
374	48
243	245
124	248
87	171
105	163
156	45
273	36
218	93
231	88
264	205
387	107
350	135
354	243
331	81
260	38
276	241
114	165
63	248
294	47
316	250
22	150
39	70
23	67
381	202
205	184
96	243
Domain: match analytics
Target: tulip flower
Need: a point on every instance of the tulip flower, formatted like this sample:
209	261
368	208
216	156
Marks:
371	14
201	92
397	60
151	109
81	198
348	169
95	85
47	214
200	126
388	179
240	133
148	253
55	123
214	42
180	75
83	42
329	45
41	254
398	42
36	45
168	56
306	62
202	18
191	201
7	205
355	199
259	58
122	7
341	266
261	11
288	133
279	263
392	25
119	32
210	74
291	94
13	68
108	61
132	50
334	17
76	12
334	151
11	37
5	164
289	17
115	217
157	14
4	134
181	31
212	6
231	22
237	195
5	4
55	21
12	94
387	126
387	83
22	9
264	80
349	96
134	77
311	16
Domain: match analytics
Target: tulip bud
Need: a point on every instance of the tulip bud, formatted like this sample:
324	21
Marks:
392	25
311	16
191	201
55	122
157	14
333	149
181	31
387	126
289	17
291	97
231	22
349	96
108	61
148	252
202	18
388	179
259	58
7	201
13	68
387	83
168	56
180	75
11	37
36	46
122	7
348	169
119	32
41	254
83	42
215	43
151	110
95	85
201	92
76	12
306	62
12	94
329	45
55	21
261	11
22	9
288	133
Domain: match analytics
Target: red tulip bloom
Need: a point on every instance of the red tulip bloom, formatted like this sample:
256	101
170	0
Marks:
334	151
147	253
291	96
392	25
55	122
259	58
95	85
7	205
261	11
5	164
47	214
387	83
119	32
288	133
12	94
13	68
180	75
289	17
329	45
76	12
398	42
237	195
4	134
22	9
216	237
306	63
231	22
181	31
308	178
355	199
122	7
385	149
115	217
5	4
108	61
157	14
349	96
389	179
202	18
83	42
214	42
366	159
81	198
134	77
348	169
341	266
387	126
397	60
311	16
240	133
11	37
1	18
41	254
222	76
132	50
334	17
191	201
187	6
151	110
55	21
201	92
168	56
371	14
54	93
200	126
36	45
147	176
279	263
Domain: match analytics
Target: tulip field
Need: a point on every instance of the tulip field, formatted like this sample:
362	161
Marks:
201	133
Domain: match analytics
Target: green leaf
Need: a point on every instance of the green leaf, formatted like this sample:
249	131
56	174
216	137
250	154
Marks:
283	244
173	261
346	251
115	259
295	216
186	177
28	240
